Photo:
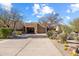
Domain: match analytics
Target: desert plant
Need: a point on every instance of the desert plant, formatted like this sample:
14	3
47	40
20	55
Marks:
73	53
74	36
18	32
78	38
64	34
52	34
75	25
66	29
65	48
62	37
5	32
65	44
49	33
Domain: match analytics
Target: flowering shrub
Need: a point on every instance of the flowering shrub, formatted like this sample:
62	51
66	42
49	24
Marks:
65	48
73	53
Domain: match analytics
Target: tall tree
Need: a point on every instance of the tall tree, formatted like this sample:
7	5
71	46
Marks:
10	18
52	19
15	18
5	18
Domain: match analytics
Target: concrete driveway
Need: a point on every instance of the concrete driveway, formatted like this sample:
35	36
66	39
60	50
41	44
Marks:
28	47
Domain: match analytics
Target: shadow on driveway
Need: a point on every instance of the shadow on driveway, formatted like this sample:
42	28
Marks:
24	36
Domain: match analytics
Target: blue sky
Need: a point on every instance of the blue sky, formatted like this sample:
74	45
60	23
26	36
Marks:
31	12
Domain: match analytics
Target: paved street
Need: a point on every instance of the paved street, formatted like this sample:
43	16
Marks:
28	47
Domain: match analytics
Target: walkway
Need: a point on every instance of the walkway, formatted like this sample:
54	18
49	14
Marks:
28	47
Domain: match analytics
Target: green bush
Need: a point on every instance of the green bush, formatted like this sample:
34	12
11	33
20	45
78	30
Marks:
5	32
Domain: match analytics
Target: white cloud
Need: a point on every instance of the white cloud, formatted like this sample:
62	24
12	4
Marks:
40	10
39	16
43	5
46	10
73	8
67	17
28	21
6	6
36	7
68	11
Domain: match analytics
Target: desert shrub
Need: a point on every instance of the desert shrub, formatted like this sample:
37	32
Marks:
65	48
5	32
62	37
66	45
73	36
66	29
49	33
73	53
52	34
69	37
76	37
18	32
75	24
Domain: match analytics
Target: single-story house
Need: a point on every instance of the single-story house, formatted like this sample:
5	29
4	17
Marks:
27	27
36	27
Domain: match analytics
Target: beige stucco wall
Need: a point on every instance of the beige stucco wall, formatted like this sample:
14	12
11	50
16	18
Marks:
39	28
